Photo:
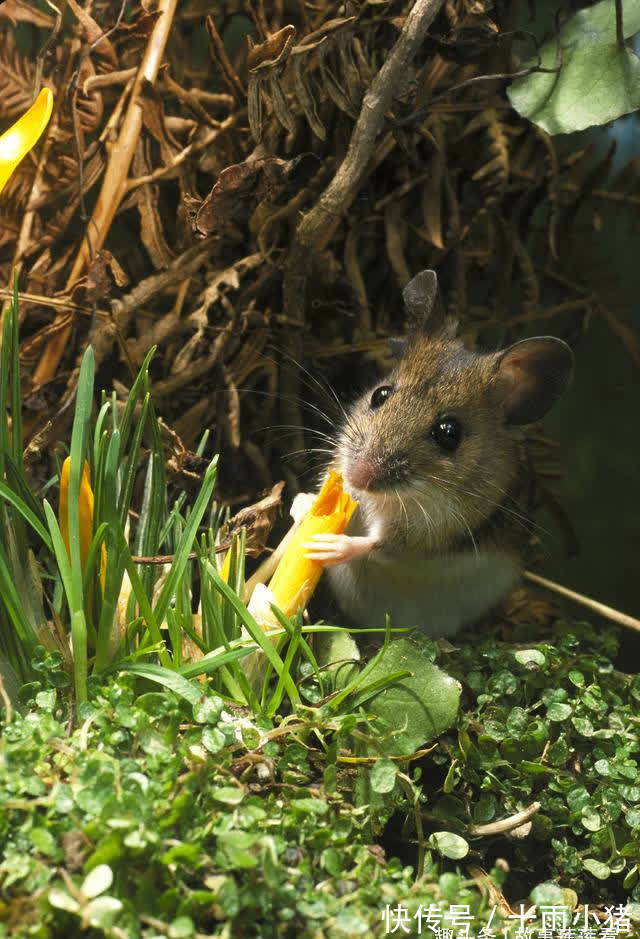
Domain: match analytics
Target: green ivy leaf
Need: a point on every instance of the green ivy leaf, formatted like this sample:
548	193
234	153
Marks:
597	82
418	707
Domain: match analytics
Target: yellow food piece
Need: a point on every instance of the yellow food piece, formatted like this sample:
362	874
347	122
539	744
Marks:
16	142
296	576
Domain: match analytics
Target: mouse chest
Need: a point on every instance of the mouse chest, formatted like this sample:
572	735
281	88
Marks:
438	595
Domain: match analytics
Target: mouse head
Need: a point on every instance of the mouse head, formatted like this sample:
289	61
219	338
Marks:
442	430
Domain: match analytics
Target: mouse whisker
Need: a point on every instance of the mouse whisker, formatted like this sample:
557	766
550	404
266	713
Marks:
525	522
519	518
325	387
466	525
404	509
427	517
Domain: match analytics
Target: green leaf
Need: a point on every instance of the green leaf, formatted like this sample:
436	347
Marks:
449	844
597	82
339	648
181	554
530	657
102	911
164	676
43	841
60	900
383	776
207	710
597	868
26	513
230	795
419	707
213	739
97	881
181	928
558	711
547	895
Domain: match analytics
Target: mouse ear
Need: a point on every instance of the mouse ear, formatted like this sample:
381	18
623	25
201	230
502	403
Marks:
398	347
424	304
532	375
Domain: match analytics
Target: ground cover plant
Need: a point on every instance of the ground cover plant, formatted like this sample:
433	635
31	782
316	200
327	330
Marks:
221	215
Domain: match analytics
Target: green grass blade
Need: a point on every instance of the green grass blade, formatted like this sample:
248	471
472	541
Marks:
181	554
62	559
26	513
13	602
93	558
368	691
255	631
167	677
142	599
214	661
78	622
276	697
84	400
131	468
139	385
98	431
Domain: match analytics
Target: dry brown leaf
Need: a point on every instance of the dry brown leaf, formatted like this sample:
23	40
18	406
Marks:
258	519
273	51
94	34
19	11
17	75
433	189
145	198
238	187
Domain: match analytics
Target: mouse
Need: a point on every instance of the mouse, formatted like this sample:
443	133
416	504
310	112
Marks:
432	455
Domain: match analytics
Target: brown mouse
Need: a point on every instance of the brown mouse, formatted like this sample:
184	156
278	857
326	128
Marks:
432	456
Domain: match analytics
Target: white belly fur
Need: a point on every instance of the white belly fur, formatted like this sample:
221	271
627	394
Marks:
438	595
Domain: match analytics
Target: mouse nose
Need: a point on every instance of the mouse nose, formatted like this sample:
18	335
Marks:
361	473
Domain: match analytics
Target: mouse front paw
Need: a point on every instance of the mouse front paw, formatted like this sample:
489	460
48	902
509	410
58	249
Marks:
337	549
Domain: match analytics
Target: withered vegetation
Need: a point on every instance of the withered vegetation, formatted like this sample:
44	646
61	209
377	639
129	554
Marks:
249	185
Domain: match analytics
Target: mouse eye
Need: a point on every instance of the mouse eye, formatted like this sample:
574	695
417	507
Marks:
379	396
447	433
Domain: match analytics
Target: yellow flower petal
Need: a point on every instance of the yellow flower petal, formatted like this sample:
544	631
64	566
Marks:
85	514
225	570
296	576
16	142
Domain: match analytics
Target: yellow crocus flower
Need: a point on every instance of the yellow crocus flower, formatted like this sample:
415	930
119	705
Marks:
85	515
16	142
